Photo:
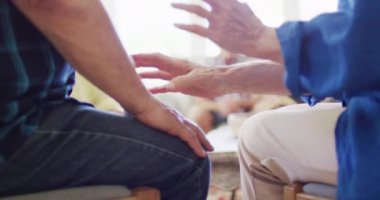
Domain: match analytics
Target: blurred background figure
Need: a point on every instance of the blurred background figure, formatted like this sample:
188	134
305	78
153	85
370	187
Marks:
210	113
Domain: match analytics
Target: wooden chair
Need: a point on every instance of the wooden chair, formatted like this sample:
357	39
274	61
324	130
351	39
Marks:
295	192
144	193
92	193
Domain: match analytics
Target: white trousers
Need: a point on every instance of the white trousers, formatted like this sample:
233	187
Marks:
293	143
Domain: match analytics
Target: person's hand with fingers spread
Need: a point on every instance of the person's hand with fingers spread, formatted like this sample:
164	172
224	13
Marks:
183	76
261	77
233	26
170	121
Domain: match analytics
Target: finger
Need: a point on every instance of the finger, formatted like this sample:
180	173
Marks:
197	29
147	60
191	138
195	9
201	136
158	74
213	3
205	142
183	130
163	89
162	62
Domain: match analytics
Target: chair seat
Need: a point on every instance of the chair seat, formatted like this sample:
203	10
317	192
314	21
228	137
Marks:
321	190
80	193
310	191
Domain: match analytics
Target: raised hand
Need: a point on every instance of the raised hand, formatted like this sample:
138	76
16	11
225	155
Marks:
232	25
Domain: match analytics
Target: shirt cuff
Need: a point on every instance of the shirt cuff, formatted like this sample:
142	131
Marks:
290	38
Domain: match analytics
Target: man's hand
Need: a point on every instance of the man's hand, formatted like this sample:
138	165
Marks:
170	121
233	26
183	76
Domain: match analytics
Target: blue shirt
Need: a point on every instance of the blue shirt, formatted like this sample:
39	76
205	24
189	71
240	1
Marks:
338	55
32	75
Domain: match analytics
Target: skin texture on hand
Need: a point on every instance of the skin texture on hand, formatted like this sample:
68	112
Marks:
258	77
83	34
173	123
178	72
233	26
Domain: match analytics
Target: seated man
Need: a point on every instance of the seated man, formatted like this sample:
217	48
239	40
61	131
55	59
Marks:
49	141
291	144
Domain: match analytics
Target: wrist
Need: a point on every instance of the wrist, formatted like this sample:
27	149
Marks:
267	45
143	104
221	79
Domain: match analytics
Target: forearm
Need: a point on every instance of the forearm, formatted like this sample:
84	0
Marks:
83	33
263	77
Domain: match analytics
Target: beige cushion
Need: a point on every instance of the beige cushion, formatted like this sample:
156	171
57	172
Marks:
321	190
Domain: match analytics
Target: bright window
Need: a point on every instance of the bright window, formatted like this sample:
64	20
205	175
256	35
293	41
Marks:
312	8
147	25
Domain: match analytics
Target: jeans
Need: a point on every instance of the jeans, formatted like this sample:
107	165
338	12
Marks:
77	145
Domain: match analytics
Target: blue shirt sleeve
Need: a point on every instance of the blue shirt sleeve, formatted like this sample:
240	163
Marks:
335	54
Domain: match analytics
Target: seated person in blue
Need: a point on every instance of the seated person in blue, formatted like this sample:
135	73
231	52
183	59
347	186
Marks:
333	55
49	141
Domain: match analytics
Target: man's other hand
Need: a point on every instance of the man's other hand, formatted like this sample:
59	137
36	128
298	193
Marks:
170	121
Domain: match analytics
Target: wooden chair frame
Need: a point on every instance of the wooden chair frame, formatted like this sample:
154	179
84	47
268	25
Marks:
144	193
294	192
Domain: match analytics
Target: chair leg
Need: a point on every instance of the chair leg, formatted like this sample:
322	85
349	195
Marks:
146	193
290	191
294	192
309	197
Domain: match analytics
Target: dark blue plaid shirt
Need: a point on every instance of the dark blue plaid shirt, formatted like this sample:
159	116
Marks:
32	75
